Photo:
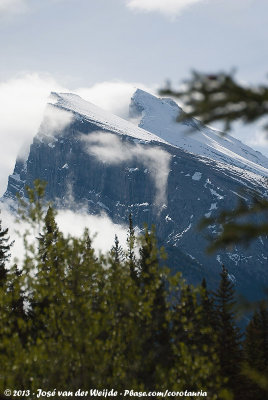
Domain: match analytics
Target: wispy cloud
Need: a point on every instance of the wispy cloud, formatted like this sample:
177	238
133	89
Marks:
171	8
55	120
12	6
108	148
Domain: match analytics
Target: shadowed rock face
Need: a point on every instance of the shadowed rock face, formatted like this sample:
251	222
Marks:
120	174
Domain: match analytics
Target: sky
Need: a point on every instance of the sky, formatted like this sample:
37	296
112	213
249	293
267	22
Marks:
104	49
81	42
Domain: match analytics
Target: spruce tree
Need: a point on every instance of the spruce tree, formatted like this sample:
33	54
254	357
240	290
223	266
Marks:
228	335
209	314
151	280
131	239
117	253
257	339
50	234
256	353
93	326
5	246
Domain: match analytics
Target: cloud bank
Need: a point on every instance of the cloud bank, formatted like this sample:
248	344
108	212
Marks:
100	226
169	8
22	104
112	96
23	101
108	148
102	230
55	120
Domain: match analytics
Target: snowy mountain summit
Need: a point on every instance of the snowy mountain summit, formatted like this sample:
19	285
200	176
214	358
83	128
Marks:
159	116
105	120
163	172
157	122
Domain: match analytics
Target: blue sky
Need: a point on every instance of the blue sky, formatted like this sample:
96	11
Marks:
102	48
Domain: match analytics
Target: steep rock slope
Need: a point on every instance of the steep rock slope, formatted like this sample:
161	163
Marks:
99	162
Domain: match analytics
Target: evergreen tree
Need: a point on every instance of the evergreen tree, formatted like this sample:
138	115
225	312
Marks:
50	234
219	97
131	239
91	325
117	253
256	353
151	281
192	339
189	317
5	246
228	335
209	315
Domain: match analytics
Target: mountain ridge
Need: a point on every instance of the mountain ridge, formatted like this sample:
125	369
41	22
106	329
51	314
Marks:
159	116
111	170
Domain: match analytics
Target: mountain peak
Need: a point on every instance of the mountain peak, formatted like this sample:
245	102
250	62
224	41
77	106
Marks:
155	104
105	120
81	153
160	116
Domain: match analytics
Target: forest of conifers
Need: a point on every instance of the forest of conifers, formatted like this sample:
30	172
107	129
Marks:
74	319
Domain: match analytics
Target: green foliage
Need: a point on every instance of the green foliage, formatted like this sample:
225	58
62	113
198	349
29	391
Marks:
219	97
5	246
71	319
256	353
237	225
31	208
131	240
117	252
229	337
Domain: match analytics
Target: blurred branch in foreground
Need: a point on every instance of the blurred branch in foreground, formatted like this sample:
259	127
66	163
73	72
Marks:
236	225
219	97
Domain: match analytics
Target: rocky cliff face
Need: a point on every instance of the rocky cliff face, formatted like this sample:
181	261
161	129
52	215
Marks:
94	160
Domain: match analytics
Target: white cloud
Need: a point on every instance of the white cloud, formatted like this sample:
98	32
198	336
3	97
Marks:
112	96
55	120
23	103
167	7
256	136
110	149
12	6
101	228
258	139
